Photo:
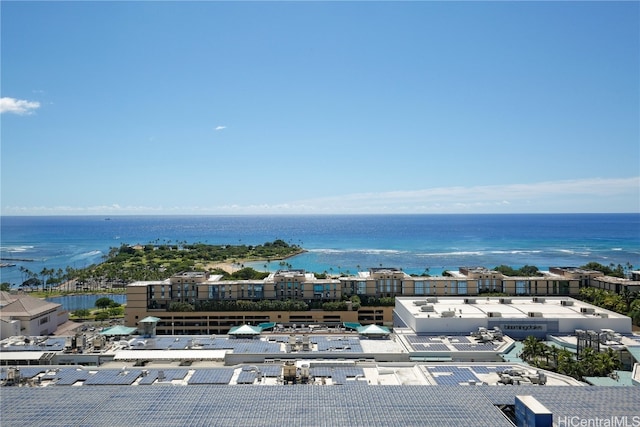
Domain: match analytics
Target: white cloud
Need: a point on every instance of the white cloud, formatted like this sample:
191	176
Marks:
220	127
17	106
593	195
583	195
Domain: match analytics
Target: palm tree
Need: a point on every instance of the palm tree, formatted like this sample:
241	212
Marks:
565	360
629	297
532	348
609	361
554	351
46	274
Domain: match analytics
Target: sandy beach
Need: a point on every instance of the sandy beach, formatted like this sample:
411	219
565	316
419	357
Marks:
227	266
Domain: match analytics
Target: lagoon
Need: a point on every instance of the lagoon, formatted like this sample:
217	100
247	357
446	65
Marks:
76	302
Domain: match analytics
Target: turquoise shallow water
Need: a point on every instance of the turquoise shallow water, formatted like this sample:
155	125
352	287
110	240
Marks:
338	243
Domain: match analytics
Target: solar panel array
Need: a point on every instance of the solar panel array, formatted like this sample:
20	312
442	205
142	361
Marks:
460	339
270	370
302	405
256	347
452	375
26	372
348	344
489	369
430	347
238	345
168	376
247	377
414	339
69	376
212	376
583	403
458	342
356	383
113	377
427	343
477	347
332	371
251	346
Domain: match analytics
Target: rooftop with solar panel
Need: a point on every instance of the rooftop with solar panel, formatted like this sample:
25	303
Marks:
278	372
445	361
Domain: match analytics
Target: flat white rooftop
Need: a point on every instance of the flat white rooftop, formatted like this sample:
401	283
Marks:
515	316
507	307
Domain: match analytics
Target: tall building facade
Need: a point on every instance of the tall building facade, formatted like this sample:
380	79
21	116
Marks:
201	303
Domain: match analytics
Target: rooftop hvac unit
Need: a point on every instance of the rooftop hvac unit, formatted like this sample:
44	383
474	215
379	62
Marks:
604	315
469	300
448	313
432	299
587	310
427	307
419	302
566	302
505	300
494	314
534	314
538	299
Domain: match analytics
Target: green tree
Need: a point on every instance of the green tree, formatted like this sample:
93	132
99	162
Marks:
629	297
116	311
532	349
529	270
180	306
82	313
102	315
104	303
5	286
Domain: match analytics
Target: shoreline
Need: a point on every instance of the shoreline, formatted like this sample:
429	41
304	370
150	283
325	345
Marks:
231	265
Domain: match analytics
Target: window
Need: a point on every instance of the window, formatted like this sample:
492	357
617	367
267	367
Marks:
418	288
362	288
214	292
521	287
462	287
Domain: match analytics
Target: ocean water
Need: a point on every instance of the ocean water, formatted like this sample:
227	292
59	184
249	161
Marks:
340	243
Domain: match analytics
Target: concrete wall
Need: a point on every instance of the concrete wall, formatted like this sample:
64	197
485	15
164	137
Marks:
9	328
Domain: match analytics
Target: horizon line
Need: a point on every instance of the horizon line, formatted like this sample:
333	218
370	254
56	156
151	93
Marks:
108	216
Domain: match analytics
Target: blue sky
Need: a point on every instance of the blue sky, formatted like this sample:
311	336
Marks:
323	107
